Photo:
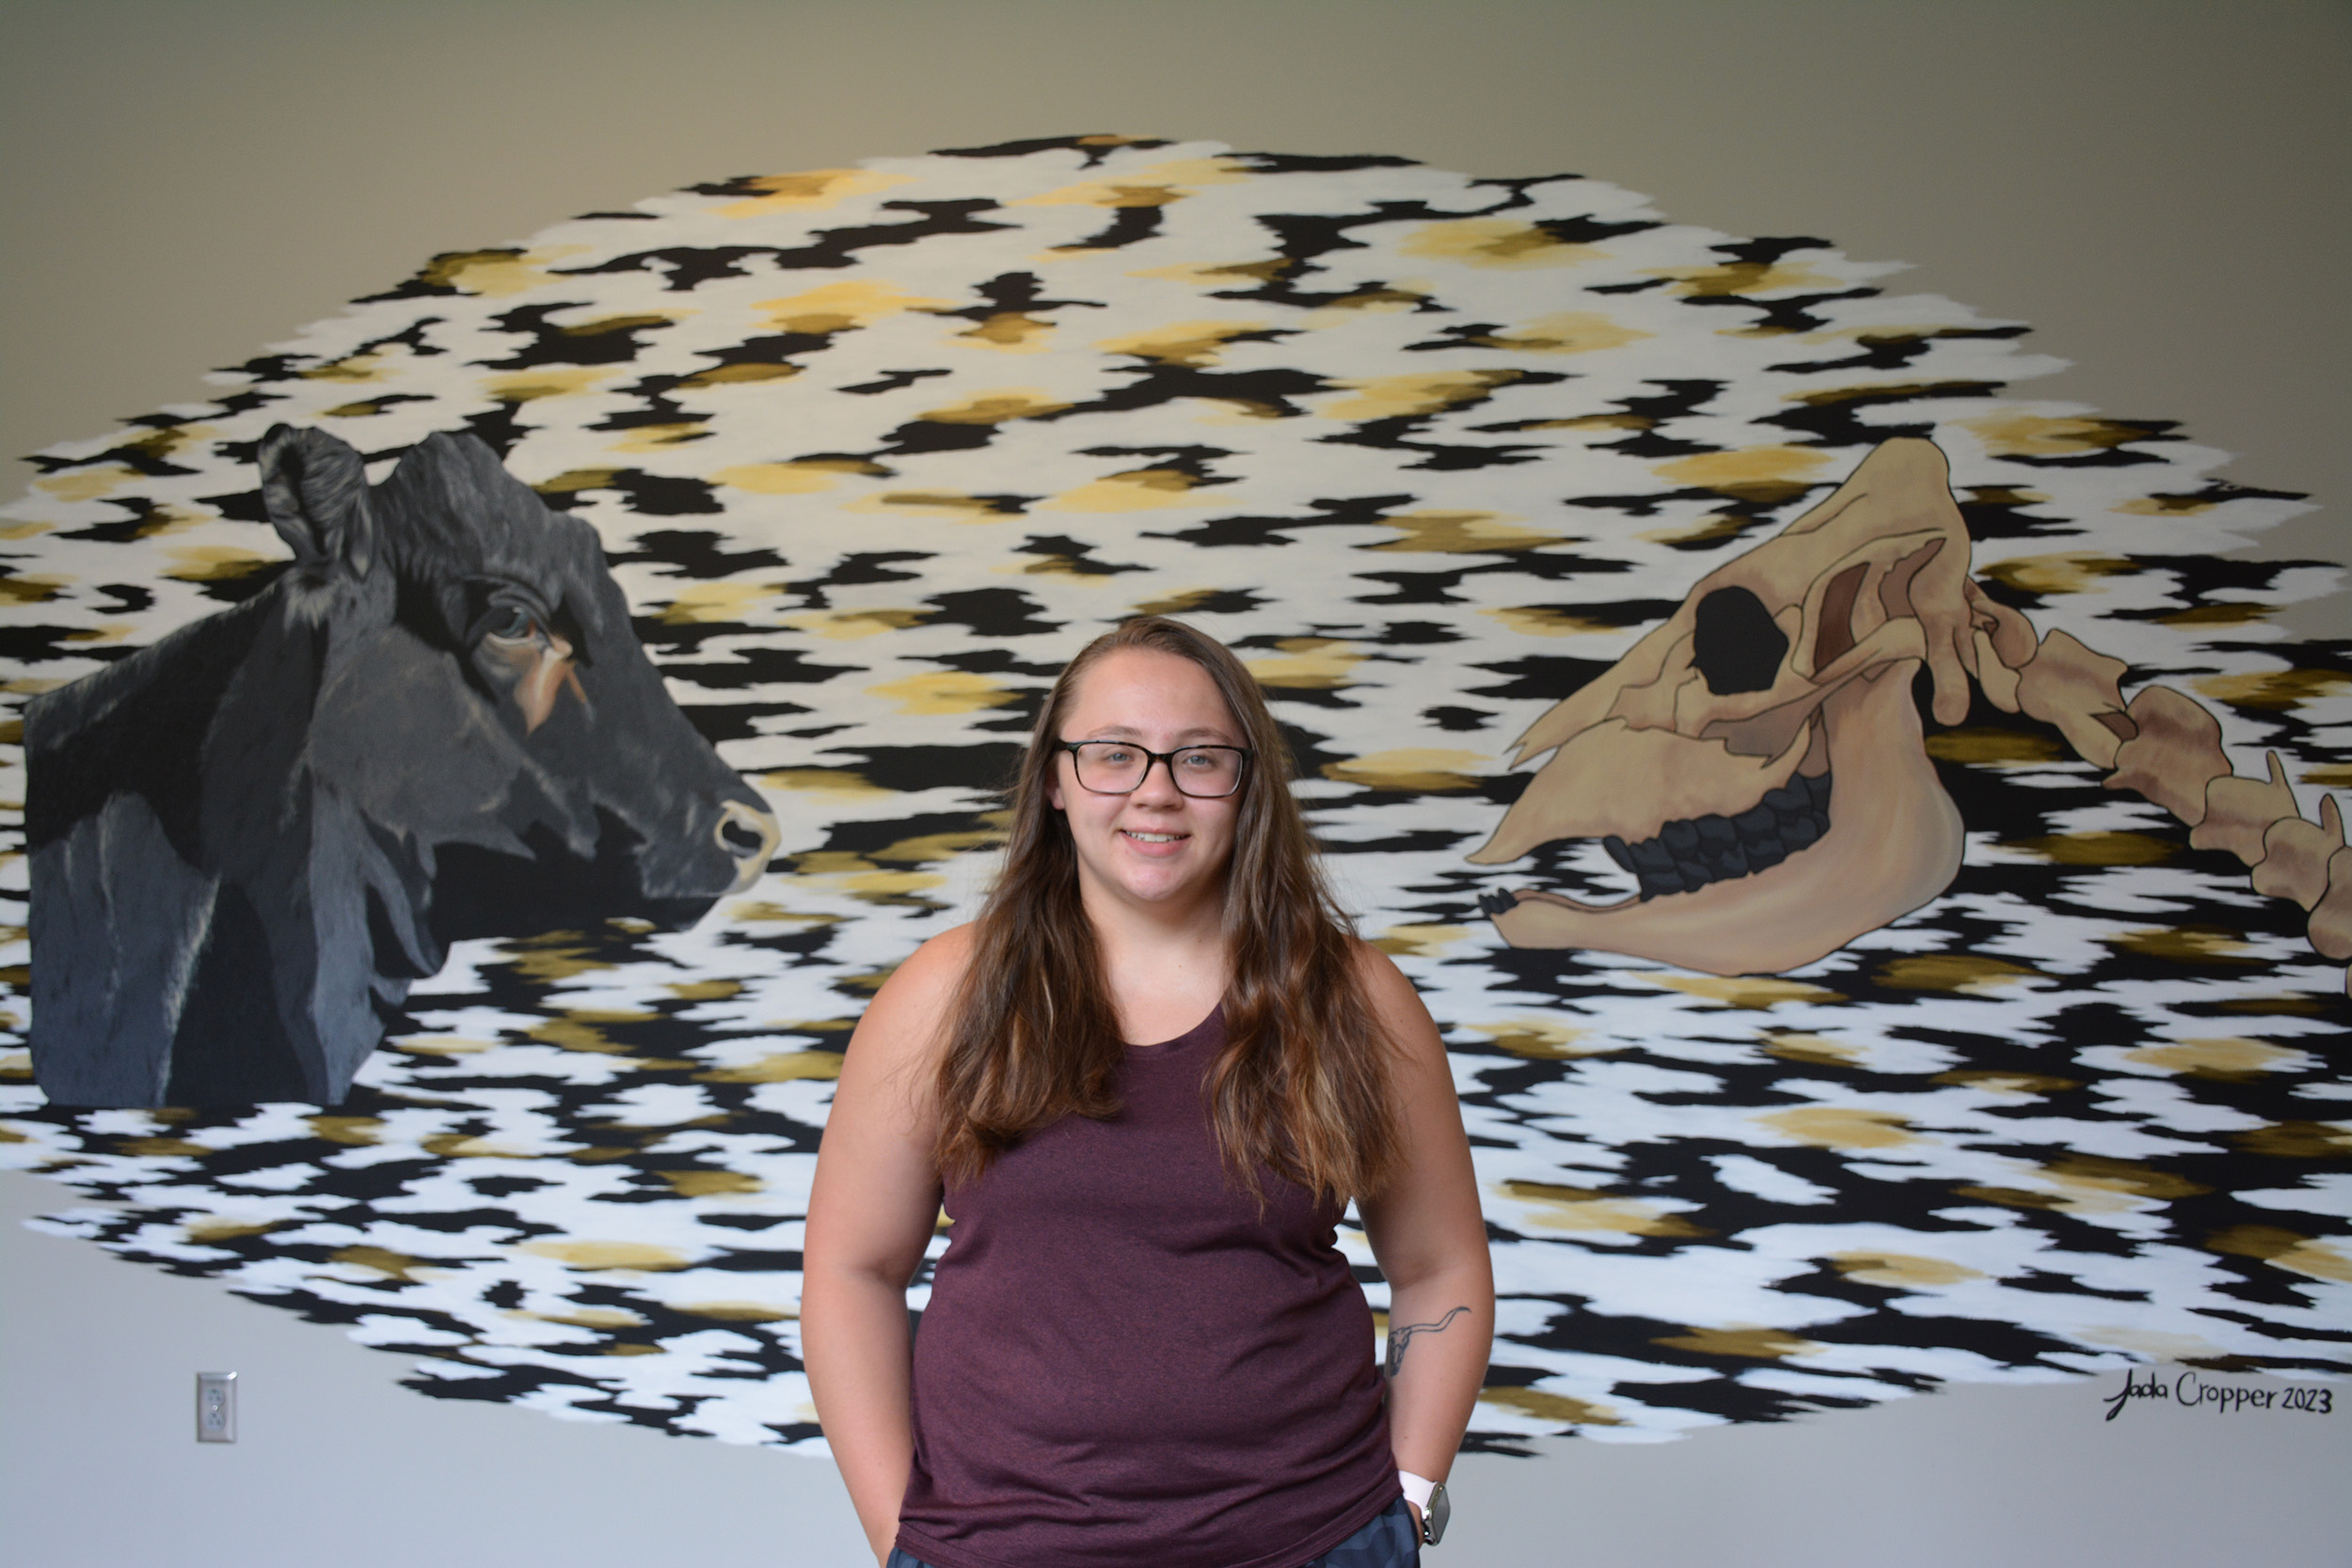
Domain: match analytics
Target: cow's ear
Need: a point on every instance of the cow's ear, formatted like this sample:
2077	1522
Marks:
317	495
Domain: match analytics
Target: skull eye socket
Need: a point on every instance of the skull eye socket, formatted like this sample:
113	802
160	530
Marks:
1735	643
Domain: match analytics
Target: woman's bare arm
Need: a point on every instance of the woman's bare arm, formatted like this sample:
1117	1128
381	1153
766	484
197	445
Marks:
872	1212
1430	1237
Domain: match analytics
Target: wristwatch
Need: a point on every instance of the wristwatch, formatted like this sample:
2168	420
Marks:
1429	1497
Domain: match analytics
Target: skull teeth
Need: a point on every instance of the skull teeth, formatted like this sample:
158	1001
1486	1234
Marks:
1690	853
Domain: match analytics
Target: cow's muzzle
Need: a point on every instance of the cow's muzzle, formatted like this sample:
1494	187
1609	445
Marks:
747	835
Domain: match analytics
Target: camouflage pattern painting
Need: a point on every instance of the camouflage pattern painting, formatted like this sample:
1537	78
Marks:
1593	561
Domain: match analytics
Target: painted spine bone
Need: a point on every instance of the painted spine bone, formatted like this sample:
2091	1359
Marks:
2166	747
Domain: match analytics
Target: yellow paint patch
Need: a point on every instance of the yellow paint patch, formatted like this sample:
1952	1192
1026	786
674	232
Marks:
2055	574
33	587
1460	534
356	369
2153	1343
1184	601
1397	397
710	1183
221	1227
1900	1271
1765	475
741	375
85	484
2301	1254
997	406
714	603
2226	1058
852	624
1566	332
925	848
1564	1408
1220	275
2274	690
1426	769
735	1312
784	1066
1193	343
2187	944
608	1255
2021	1083
1136	490
1739	279
1960	974
456	1146
1738	991
840	307
839	782
2021	435
2112	849
382	1259
1841	1127
1540	1039
1007	332
1419	942
952	505
1542	621
1154	186
2297	1140
552	955
151	1149
548	381
948	692
2166	506
1748	1344
703	991
215	562
780	479
587	1317
810	190
1306	664
1583	1209
573	480
2327	777
661	437
1816	1049
2090	1185
495	274
1991	748
442	1045
1495	243
567	1034
354	1131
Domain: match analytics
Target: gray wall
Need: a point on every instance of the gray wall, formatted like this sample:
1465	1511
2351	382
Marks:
2159	188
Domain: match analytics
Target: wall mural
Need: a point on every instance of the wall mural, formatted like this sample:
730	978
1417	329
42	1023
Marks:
1860	832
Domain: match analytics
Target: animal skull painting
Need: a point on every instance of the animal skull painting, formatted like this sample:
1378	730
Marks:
1756	760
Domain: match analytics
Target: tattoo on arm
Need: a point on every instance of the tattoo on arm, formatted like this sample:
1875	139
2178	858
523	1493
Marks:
1400	1337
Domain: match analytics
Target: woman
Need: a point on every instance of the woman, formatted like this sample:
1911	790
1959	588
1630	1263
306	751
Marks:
1141	1347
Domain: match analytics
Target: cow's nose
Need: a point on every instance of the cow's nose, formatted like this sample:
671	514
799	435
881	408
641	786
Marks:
748	836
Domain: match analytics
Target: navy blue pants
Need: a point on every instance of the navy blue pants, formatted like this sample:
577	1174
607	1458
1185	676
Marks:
1388	1542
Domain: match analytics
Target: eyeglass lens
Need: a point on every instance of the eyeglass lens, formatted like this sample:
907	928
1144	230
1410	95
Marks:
1111	768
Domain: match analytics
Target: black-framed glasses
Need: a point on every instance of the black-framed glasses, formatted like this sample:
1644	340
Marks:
1118	768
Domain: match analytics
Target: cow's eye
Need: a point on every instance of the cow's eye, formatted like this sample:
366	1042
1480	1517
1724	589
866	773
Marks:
514	625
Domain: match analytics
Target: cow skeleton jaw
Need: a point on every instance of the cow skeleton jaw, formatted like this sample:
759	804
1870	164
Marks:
1756	760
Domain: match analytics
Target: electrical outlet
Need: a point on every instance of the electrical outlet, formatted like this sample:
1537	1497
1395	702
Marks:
215	1407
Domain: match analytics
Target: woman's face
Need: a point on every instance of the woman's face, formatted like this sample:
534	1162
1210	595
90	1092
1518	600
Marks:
1157	845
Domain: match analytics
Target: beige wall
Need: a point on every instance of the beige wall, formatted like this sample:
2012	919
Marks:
2160	188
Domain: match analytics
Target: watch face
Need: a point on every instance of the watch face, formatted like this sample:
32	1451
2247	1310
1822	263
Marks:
1432	1518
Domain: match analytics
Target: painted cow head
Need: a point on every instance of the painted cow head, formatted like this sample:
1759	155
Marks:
251	838
1756	761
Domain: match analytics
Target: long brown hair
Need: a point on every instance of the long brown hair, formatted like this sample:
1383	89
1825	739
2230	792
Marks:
1303	1086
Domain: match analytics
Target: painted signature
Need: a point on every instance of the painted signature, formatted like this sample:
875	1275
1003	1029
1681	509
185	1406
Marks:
2190	1391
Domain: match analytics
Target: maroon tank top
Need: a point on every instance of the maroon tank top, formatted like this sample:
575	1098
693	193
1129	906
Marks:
1124	1365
